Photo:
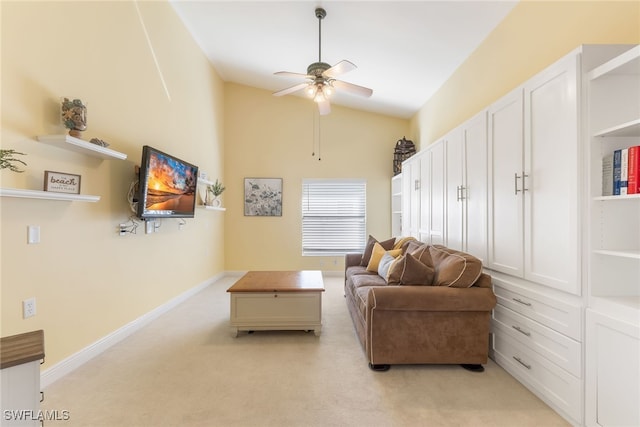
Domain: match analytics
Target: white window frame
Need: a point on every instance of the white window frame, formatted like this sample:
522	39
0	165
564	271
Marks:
333	221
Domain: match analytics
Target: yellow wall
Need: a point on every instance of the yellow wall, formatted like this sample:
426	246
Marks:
87	280
531	37
273	137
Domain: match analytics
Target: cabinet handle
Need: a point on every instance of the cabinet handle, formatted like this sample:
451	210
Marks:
521	362
524	187
515	183
518	300
41	396
463	192
416	185
517	328
458	193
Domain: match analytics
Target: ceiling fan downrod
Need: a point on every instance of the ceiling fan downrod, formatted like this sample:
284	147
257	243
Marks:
320	14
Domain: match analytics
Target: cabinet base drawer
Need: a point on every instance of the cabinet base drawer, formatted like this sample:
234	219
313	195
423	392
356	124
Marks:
558	348
552	384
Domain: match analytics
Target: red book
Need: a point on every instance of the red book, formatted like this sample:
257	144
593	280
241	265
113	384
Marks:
633	186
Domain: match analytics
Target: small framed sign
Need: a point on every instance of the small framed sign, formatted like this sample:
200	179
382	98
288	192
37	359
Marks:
59	182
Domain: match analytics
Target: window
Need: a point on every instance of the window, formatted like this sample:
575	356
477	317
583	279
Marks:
333	216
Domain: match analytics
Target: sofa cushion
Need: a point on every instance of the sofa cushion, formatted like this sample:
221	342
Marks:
358	269
377	254
454	268
366	256
385	262
409	270
403	243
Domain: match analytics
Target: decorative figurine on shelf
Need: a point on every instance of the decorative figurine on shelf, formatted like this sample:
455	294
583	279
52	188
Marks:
99	142
7	160
404	149
216	190
74	116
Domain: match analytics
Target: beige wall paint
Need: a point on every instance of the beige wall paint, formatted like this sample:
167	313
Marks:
273	137
87	280
531	37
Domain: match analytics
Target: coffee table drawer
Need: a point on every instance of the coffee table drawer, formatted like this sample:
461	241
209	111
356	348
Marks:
277	308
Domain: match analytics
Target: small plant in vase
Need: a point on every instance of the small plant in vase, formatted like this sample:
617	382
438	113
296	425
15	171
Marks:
7	161
215	190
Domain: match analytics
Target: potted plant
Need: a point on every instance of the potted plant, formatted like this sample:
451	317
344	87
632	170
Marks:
216	190
7	161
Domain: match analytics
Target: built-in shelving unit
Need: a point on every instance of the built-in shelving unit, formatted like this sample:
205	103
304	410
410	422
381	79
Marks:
69	142
613	250
47	195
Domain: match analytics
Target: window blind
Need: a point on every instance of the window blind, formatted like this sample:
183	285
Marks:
333	216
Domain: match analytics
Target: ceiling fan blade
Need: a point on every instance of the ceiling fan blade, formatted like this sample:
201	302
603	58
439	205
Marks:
341	67
324	107
296	75
291	89
351	88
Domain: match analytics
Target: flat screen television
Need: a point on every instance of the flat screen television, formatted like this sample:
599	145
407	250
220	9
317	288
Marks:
167	186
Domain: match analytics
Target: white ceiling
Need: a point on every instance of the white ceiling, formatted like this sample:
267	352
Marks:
404	50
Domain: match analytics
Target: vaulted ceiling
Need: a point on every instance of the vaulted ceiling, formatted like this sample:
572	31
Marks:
404	50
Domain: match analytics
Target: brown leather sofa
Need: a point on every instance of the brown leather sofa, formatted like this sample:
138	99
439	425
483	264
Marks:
398	320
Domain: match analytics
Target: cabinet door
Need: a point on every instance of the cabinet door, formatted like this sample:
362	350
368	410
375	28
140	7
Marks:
505	185
437	194
425	196
612	371
411	182
455	160
551	191
474	191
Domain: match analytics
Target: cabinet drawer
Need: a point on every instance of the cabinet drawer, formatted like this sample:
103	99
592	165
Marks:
558	348
275	308
551	383
557	315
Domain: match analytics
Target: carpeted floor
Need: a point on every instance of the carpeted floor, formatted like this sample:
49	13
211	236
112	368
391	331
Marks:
185	369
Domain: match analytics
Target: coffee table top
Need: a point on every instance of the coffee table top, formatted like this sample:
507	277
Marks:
279	281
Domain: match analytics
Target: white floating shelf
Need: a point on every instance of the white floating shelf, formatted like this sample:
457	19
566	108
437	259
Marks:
204	181
212	208
47	195
69	142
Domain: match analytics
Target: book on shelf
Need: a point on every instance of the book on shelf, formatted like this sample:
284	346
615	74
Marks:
624	171
633	183
617	170
607	175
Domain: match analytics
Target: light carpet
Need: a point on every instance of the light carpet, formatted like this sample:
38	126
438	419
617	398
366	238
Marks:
186	369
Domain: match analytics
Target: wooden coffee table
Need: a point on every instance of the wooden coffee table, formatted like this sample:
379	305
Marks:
277	300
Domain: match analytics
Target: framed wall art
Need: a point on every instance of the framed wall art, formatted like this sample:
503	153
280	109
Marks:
263	196
60	182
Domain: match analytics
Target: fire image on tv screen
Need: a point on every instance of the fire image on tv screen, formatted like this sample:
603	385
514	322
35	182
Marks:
167	186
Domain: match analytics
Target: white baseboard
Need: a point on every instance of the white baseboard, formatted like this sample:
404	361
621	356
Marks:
62	368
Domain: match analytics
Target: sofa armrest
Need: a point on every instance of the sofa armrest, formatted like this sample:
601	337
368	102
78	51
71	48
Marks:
352	259
430	298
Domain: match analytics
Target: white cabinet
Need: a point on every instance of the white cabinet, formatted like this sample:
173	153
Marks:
411	182
613	268
396	205
432	209
466	187
612	389
534	160
536	233
505	207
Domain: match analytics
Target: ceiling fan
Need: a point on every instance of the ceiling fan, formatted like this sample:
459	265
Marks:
321	77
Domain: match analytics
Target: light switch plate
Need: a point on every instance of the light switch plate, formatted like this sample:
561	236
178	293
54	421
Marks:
33	234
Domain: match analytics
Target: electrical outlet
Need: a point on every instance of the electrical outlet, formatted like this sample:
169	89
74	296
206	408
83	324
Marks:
123	229
149	227
28	308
